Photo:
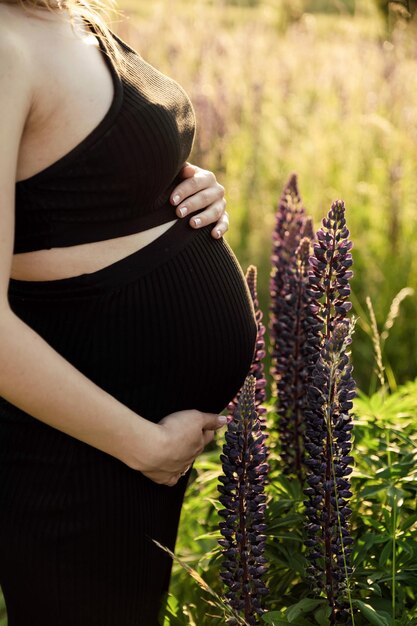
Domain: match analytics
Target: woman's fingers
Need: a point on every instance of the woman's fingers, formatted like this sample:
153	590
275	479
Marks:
188	170
212	213
171	478
167	479
200	190
222	226
193	183
208	436
200	429
197	191
215	213
200	200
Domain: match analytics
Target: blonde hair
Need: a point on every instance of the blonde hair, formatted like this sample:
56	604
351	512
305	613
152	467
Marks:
96	12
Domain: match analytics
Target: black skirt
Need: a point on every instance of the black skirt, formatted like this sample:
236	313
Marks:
167	328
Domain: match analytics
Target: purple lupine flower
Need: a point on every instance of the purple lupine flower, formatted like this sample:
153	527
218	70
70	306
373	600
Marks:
257	367
295	326
328	443
289	321
328	423
307	229
329	270
245	468
289	220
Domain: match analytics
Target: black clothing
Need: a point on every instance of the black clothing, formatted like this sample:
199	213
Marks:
118	180
167	328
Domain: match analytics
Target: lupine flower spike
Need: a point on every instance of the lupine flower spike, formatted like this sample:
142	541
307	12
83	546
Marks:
289	220
289	322
329	270
294	325
328	423
245	468
328	442
257	367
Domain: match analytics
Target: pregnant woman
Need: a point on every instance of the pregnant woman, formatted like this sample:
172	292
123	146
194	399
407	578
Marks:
125	329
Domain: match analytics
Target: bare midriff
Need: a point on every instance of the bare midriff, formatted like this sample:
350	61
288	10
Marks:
57	263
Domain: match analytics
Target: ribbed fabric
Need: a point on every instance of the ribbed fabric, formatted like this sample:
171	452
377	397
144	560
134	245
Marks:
118	180
167	328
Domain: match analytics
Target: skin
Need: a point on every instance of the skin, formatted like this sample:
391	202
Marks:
35	127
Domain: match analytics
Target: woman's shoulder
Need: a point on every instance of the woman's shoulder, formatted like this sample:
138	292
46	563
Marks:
14	43
16	69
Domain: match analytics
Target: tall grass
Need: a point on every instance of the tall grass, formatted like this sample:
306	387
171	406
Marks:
324	95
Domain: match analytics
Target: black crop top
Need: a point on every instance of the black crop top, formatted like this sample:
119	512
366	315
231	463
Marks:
118	180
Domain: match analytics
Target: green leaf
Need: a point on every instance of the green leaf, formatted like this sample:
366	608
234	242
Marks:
371	490
410	521
276	618
171	614
395	496
376	618
303	607
322	615
386	553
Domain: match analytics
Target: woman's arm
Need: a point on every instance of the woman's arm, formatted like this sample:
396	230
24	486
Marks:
33	376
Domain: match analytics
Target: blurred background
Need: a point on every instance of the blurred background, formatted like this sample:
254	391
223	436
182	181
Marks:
323	88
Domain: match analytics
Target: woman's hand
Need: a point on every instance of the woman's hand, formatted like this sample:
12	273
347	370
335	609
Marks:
200	190
181	437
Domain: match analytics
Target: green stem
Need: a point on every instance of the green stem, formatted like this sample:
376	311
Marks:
394	548
393	536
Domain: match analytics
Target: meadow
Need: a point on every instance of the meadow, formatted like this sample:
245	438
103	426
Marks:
329	91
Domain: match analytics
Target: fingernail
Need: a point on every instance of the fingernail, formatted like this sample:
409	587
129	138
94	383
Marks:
197	221
183	211
222	419
176	199
218	234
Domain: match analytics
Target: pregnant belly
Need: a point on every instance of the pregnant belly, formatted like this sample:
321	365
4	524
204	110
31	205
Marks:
170	327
